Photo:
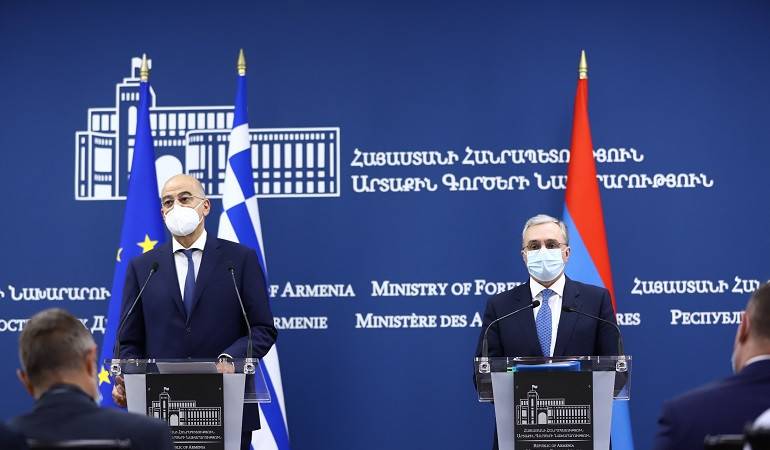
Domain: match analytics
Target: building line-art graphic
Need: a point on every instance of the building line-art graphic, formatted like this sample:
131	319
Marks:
534	410
286	162
184	413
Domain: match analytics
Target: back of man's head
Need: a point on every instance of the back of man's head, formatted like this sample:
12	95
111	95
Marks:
52	347
758	311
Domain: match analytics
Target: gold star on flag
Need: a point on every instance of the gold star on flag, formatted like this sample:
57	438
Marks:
104	377
147	244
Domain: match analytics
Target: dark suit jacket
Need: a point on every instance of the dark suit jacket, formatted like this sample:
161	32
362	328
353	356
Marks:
723	407
66	412
576	335
11	440
160	328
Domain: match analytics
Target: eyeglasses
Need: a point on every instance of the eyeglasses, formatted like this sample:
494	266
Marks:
184	199
550	244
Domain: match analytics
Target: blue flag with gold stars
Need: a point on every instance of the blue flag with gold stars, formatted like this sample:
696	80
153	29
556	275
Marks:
143	227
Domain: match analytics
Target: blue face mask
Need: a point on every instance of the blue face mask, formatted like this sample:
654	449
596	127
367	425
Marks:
544	264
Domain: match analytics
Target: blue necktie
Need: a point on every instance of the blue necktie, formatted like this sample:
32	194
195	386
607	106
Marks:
189	281
543	323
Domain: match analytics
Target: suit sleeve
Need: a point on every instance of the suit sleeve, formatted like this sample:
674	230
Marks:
255	301
667	436
132	336
607	335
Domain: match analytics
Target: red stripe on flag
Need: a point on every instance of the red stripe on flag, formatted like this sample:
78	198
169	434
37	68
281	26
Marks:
582	196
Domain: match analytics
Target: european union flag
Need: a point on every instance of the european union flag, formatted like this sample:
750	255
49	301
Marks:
142	222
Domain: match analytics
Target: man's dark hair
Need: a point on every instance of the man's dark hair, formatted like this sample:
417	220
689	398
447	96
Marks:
758	310
52	341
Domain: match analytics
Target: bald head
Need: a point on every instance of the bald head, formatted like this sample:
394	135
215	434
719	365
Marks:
187	192
183	183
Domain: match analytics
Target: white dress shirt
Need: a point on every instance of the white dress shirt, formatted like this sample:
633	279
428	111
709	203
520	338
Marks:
554	301
180	260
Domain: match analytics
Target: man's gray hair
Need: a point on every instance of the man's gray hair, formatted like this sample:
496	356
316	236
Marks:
52	341
541	219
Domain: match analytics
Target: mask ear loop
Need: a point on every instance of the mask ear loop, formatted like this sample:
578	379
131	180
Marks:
196	207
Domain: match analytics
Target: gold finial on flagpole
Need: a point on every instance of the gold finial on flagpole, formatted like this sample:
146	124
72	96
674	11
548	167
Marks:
583	66
144	72
241	63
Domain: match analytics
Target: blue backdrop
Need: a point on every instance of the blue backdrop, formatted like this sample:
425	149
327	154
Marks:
681	86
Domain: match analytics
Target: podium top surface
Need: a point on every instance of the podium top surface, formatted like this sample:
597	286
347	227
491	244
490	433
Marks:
485	367
256	391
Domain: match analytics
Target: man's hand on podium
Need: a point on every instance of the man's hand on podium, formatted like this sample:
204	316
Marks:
119	392
225	365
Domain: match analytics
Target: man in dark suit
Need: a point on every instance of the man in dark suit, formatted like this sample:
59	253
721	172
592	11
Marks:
58	359
190	308
547	330
726	406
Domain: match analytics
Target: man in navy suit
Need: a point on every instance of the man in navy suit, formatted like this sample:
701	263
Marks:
549	331
190	308
58	358
726	406
546	330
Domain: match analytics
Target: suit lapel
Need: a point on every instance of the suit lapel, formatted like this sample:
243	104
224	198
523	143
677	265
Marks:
567	320
170	278
209	262
527	321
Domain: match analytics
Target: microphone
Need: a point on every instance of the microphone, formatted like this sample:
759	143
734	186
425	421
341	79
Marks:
485	344
570	309
116	348
249	345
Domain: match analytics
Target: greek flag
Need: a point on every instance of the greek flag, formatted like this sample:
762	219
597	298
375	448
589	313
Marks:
240	223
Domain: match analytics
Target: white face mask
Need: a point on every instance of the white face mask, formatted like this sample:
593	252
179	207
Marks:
544	264
181	220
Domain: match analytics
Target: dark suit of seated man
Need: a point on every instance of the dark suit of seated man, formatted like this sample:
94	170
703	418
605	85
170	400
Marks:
10	440
726	406
58	359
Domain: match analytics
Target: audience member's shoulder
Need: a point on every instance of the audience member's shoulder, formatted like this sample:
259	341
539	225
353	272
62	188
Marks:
133	421
699	396
11	440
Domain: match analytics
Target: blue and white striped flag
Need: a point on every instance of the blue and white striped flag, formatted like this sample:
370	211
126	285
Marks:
240	223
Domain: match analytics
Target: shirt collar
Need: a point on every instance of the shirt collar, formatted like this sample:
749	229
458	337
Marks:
63	388
199	243
557	287
756	359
